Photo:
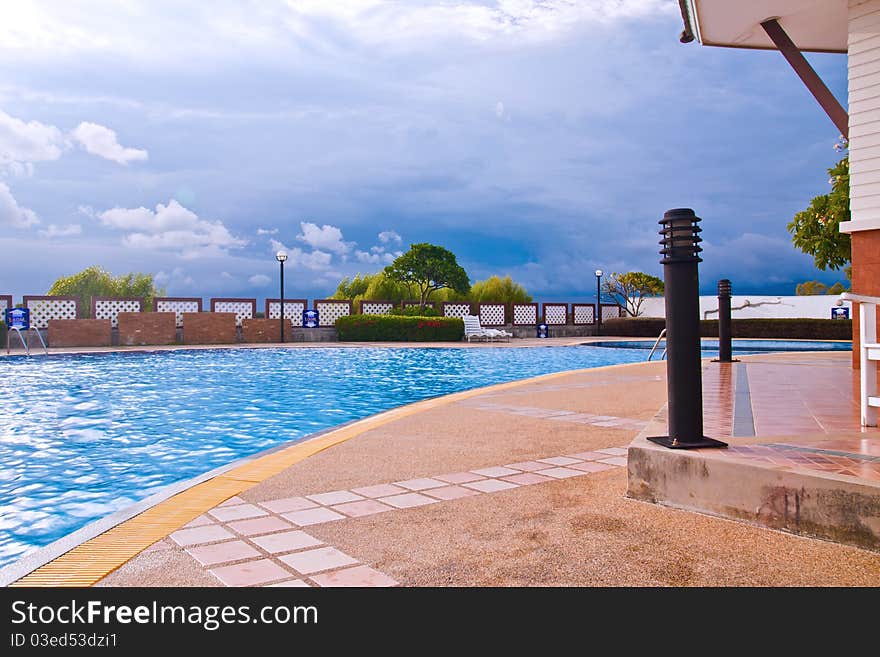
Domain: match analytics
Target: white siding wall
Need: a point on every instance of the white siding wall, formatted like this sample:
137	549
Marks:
864	113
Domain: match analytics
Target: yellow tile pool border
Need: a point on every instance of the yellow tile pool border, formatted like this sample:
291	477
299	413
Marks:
95	558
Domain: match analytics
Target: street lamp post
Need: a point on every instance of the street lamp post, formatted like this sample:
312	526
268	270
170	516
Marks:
599	273
281	256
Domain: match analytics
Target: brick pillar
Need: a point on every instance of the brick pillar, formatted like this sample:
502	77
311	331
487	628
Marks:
865	276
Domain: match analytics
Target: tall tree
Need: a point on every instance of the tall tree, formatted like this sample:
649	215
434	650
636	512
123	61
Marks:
429	268
97	282
498	290
631	288
815	231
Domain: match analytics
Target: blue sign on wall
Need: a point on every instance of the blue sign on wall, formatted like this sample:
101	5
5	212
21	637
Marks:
18	318
310	319
543	330
840	313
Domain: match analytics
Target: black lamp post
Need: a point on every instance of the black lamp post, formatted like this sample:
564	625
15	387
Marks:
599	273
281	256
684	383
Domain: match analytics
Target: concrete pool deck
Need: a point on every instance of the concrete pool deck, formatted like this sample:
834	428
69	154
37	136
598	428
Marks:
522	484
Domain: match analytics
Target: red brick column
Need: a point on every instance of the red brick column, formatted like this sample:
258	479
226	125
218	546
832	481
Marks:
79	333
264	330
865	276
147	328
209	328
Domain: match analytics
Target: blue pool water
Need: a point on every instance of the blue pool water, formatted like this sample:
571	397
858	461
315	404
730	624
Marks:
82	436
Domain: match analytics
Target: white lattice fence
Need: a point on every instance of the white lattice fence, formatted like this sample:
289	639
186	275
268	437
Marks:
456	309
583	313
525	313
330	311
178	307
555	314
5	302
376	307
243	309
293	310
610	312
110	309
492	314
43	309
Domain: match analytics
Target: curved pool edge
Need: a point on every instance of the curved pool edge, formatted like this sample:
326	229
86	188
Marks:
87	555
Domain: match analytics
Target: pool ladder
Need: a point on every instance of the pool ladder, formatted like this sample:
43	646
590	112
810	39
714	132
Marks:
656	343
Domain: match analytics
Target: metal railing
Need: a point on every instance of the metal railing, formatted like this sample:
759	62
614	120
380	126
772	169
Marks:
656	343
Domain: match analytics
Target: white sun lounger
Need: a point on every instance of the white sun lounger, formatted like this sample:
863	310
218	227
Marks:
473	329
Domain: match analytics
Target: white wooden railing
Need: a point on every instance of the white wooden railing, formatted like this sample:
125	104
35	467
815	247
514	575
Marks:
869	355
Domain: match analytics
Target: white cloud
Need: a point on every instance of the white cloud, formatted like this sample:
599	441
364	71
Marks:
387	236
259	280
176	279
296	257
61	231
226	276
267	231
326	237
171	227
22	143
12	214
102	141
376	255
499	109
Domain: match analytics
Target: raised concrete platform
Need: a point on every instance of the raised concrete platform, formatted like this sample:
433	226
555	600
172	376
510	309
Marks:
798	460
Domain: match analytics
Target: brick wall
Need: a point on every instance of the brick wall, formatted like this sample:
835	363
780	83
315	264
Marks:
147	328
209	328
265	330
79	333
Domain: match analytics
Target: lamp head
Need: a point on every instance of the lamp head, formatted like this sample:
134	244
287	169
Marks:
281	256
599	273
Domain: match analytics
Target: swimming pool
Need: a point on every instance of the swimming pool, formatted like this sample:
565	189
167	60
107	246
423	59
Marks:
82	436
741	347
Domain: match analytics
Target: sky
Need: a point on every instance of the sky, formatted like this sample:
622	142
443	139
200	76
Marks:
540	139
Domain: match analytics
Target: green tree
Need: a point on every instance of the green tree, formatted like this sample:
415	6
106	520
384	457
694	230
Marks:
97	282
631	288
429	268
498	290
815	231
810	288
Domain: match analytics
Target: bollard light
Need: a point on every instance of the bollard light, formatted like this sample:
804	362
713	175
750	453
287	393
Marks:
599	273
281	257
684	384
725	333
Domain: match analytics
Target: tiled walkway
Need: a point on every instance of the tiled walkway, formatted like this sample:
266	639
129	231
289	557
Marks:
263	544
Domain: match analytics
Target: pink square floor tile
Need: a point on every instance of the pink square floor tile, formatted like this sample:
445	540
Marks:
285	541
614	451
497	471
407	500
358	576
233	501
592	466
558	460
527	478
420	484
255	526
250	573
459	477
312	561
291	583
197	535
490	485
336	497
588	456
614	460
226	513
380	490
312	516
211	555
362	508
561	473
200	521
527	466
288	504
451	492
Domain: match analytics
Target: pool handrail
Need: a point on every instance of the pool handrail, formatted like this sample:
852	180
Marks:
657	342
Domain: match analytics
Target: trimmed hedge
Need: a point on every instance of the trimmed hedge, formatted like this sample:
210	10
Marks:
399	328
788	328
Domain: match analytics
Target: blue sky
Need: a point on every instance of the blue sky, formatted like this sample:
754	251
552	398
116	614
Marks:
536	139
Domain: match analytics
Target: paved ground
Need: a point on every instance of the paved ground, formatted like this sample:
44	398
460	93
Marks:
382	508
